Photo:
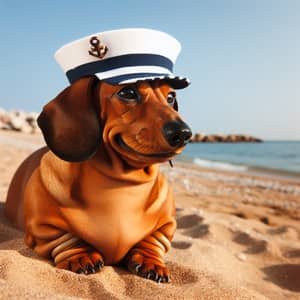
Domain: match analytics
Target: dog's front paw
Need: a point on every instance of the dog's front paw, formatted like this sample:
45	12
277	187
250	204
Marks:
83	263
148	268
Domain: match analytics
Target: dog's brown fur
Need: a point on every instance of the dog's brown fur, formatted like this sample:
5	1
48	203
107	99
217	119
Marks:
110	204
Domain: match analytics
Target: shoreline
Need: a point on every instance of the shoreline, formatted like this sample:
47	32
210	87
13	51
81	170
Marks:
274	173
278	184
242	169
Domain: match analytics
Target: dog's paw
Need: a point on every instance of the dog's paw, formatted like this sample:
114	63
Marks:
148	269
83	263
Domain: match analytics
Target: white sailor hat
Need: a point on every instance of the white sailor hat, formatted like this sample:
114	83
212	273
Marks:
123	56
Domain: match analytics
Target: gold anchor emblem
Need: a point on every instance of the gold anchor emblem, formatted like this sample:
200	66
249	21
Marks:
97	49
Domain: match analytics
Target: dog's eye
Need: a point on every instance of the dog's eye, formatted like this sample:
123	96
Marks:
171	98
128	93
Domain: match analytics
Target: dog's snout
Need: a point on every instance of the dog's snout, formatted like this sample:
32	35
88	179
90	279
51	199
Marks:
177	133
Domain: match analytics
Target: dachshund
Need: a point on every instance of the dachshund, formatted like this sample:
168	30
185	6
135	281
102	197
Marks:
94	195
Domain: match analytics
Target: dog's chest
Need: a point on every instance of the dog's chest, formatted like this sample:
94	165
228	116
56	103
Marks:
115	214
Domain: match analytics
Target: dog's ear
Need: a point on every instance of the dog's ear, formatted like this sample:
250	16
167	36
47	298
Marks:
70	122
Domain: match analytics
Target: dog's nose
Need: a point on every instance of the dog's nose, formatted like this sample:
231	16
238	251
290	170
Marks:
177	133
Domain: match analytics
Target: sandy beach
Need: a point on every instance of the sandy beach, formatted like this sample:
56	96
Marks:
238	237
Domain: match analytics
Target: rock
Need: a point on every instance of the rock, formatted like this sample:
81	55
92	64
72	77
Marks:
4	116
231	138
19	121
219	138
4	125
31	117
197	138
211	139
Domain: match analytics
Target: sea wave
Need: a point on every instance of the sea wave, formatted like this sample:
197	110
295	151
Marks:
219	165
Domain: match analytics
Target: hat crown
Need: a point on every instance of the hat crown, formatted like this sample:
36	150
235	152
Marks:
121	56
119	42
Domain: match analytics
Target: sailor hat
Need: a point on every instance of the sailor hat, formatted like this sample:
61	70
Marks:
123	56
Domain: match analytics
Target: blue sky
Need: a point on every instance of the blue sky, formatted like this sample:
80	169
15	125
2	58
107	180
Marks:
243	57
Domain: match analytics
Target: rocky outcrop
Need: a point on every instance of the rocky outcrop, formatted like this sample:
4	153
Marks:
219	138
17	120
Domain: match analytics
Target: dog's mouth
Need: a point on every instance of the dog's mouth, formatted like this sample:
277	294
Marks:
120	142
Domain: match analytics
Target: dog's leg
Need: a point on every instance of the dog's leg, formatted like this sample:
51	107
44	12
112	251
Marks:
146	258
69	252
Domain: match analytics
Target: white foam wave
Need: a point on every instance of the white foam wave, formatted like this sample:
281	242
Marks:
219	165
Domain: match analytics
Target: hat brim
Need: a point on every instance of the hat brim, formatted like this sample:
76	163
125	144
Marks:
177	82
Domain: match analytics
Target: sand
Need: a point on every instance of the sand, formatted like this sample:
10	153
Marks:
238	237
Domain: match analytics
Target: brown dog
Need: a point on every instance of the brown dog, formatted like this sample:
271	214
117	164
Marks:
96	195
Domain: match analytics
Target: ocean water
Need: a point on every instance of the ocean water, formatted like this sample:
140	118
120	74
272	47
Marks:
274	157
